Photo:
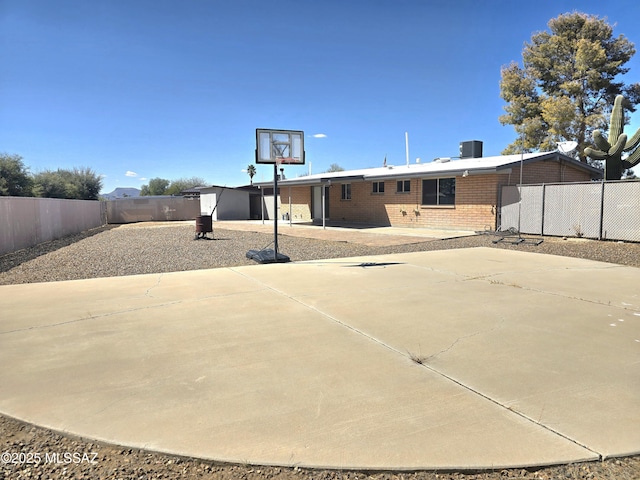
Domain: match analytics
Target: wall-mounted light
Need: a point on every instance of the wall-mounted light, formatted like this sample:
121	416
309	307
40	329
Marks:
465	173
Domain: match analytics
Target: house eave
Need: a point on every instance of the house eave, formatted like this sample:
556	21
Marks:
459	168
300	182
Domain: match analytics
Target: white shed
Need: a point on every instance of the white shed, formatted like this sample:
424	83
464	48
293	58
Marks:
232	204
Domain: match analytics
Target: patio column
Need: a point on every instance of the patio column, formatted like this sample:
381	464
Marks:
324	189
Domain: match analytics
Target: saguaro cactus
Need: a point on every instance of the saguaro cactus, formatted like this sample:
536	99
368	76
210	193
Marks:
610	150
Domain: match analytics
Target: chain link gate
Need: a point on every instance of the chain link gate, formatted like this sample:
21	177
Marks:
599	210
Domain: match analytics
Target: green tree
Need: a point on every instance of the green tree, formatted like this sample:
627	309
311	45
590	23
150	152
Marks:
78	183
251	171
15	179
156	186
567	84
180	184
52	184
86	183
334	167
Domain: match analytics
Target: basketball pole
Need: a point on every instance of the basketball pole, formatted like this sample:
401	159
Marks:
275	212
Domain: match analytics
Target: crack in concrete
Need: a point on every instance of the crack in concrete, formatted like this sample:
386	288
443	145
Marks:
492	280
87	318
146	294
91	316
424	365
457	340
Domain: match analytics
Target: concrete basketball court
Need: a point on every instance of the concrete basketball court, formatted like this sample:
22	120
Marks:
458	359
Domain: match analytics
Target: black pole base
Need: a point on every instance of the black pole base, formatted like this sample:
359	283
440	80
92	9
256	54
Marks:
267	256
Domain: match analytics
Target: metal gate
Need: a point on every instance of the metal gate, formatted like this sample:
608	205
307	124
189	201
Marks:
602	210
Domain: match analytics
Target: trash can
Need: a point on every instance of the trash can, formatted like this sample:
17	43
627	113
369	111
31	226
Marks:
204	225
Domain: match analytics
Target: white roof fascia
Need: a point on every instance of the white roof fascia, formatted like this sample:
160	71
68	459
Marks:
439	174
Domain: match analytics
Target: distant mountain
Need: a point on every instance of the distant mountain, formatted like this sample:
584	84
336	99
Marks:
121	193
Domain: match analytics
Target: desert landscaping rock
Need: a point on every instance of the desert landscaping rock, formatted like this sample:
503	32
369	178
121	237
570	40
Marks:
117	251
126	250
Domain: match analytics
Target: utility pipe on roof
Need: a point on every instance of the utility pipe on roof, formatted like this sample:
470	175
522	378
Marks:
406	141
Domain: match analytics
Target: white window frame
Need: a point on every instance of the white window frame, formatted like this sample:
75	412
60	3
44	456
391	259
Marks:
345	191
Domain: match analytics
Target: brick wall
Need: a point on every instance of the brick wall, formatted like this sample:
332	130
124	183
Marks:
364	206
547	172
300	202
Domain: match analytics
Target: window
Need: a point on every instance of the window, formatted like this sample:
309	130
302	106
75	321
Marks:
346	191
404	186
439	191
378	187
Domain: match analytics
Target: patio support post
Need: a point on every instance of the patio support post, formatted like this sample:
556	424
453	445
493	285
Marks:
324	187
290	212
262	204
601	232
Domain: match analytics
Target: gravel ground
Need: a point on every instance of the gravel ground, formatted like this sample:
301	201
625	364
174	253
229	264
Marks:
116	251
125	250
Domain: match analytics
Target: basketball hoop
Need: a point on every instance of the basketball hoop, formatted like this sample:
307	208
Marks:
280	146
277	147
285	160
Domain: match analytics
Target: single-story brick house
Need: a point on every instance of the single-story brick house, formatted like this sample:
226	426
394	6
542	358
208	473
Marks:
444	193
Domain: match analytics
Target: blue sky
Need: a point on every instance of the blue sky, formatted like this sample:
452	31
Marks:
137	89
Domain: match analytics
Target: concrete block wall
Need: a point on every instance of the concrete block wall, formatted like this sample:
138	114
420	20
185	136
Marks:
28	221
150	209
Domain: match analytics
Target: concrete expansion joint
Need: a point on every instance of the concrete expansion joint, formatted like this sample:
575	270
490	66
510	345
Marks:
538	422
324	314
552	430
510	409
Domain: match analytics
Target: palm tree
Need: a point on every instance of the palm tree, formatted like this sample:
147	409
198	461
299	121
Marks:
251	170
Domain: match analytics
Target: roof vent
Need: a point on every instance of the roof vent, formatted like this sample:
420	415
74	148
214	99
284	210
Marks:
442	160
471	149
